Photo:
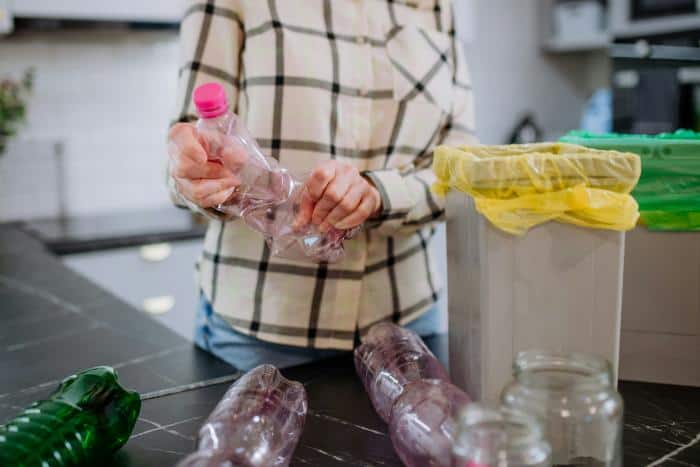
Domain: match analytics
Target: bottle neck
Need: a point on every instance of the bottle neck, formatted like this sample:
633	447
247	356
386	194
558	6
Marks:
562	372
222	121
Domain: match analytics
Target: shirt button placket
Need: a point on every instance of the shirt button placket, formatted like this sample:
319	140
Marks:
365	75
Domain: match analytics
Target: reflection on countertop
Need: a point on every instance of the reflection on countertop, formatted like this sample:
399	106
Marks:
107	231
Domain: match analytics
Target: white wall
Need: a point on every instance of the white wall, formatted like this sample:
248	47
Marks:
511	75
108	96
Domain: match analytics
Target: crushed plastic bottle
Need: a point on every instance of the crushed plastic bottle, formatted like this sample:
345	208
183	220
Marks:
423	422
85	420
390	358
411	391
268	197
257	423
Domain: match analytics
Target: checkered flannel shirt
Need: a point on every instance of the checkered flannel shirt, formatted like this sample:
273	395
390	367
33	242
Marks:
376	83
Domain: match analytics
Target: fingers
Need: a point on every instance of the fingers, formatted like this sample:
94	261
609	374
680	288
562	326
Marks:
218	199
320	178
207	193
188	155
184	168
364	211
184	143
314	188
306	209
345	207
335	192
337	196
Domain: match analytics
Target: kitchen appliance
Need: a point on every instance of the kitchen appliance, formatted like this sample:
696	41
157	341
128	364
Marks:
644	9
642	17
656	88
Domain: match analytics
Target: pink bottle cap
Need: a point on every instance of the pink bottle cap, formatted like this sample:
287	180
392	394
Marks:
210	100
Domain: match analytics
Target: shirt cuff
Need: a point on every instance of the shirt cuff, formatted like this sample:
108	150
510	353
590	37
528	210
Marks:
396	198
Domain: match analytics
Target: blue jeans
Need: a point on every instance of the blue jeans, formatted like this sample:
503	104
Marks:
215	335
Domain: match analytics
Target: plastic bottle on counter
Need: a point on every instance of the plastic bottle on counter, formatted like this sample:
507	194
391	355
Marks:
411	391
423	422
268	197
389	358
257	423
489	437
84	421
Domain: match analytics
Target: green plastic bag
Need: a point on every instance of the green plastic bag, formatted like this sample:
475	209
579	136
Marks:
668	191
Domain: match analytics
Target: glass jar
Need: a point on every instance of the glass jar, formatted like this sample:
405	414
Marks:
488	437
573	396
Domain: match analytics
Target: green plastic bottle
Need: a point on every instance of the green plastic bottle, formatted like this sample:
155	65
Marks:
87	418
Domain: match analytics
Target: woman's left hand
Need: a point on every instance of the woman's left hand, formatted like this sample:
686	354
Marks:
336	195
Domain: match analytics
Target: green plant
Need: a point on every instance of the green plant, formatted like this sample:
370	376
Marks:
13	105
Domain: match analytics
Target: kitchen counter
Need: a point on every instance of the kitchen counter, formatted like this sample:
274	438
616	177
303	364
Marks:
53	323
101	232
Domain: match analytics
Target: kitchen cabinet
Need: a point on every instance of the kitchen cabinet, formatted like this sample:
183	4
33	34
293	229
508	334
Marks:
160	277
660	339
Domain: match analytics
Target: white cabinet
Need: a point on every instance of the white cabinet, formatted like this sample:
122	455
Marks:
661	308
164	283
167	11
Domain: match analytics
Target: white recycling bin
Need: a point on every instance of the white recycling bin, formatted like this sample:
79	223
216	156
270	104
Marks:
558	287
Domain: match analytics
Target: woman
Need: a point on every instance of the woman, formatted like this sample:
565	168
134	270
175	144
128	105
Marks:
357	92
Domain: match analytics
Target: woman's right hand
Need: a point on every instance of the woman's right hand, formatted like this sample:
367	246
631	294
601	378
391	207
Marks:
207	183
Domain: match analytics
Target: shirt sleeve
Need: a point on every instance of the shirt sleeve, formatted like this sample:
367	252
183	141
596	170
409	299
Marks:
408	203
211	37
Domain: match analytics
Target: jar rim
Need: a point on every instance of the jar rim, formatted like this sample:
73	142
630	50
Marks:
589	370
518	430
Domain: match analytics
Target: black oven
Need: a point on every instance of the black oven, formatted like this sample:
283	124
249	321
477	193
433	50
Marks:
648	9
656	89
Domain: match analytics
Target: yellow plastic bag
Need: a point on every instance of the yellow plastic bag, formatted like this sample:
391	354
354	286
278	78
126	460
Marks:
520	186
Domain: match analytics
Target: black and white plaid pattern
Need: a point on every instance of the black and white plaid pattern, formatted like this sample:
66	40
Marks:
377	83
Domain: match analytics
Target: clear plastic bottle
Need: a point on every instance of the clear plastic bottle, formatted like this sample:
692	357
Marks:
489	437
390	358
572	394
423	422
257	423
83	422
268	196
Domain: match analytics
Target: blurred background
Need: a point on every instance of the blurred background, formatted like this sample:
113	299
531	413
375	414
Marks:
105	79
96	81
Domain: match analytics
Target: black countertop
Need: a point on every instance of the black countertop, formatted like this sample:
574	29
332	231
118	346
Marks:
101	232
54	323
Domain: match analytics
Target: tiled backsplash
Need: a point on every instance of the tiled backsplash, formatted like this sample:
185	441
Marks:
108	96
30	180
